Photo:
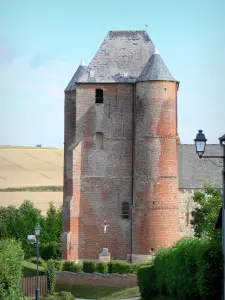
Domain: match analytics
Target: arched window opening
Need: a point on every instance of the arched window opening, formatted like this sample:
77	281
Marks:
99	140
98	96
125	210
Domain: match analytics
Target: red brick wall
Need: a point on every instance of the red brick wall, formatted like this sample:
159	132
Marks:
155	212
123	281
100	180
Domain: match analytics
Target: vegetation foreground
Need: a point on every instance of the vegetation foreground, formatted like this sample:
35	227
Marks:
190	270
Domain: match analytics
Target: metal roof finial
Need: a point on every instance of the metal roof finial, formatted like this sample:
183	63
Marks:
83	64
156	51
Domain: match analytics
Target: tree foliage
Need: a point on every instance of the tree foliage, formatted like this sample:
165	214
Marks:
17	223
11	257
206	213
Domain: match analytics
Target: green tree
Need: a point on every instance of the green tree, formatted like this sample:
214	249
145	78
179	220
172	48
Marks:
28	217
206	213
51	236
11	257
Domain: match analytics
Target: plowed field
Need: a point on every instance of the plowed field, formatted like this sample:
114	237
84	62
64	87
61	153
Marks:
30	167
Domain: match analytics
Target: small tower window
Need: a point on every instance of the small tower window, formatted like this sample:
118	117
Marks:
99	96
99	140
125	210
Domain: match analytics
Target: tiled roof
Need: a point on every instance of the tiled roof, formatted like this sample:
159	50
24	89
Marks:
120	58
79	72
155	69
193	171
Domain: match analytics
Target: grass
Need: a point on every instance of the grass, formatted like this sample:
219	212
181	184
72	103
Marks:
34	189
99	292
29	269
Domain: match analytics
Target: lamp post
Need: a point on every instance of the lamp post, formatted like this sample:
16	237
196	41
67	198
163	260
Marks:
37	231
200	143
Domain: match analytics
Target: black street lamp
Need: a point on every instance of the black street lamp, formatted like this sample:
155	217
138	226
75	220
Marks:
200	143
37	233
34	239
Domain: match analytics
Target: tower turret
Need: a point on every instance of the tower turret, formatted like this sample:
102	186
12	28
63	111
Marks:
155	196
71	160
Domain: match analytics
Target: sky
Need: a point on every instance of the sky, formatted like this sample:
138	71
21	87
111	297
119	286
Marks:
43	42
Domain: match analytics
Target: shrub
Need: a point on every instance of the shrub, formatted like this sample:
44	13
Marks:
41	261
89	266
160	263
210	269
72	266
51	250
11	258
147	282
119	267
65	296
56	263
59	296
51	271
101	267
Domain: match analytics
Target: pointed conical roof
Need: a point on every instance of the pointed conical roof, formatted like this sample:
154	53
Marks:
155	69
79	72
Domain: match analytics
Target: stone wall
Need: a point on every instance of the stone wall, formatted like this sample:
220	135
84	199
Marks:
98	181
97	279
186	206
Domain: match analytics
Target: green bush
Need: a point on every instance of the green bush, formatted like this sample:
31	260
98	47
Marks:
210	269
51	271
72	266
51	250
191	269
56	263
41	261
101	267
11	258
120	267
59	296
89	266
160	263
147	282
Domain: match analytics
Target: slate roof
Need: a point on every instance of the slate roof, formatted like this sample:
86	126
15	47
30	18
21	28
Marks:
193	171
155	69
79	72
120	58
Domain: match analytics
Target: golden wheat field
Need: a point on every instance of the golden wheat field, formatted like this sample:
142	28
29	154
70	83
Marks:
30	167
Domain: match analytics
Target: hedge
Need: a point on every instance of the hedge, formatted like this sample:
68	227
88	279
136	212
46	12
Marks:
191	269
89	266
114	266
101	267
72	266
11	258
147	282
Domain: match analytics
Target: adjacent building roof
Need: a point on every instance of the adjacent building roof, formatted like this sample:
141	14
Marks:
193	171
120	58
155	69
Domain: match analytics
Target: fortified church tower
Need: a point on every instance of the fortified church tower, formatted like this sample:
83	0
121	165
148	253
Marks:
120	150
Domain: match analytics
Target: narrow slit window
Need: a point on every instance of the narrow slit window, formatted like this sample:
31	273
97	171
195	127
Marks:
125	210
99	96
99	140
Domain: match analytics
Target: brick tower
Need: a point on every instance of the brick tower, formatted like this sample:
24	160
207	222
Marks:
120	152
155	206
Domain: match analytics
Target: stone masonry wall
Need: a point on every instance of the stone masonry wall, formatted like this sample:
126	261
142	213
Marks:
68	200
186	206
97	279
155	212
99	179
